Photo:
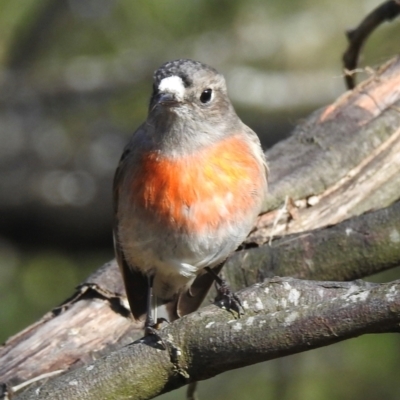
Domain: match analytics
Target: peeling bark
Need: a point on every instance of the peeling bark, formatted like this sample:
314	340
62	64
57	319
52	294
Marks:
341	162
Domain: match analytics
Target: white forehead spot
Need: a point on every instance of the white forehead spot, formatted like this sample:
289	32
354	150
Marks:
172	84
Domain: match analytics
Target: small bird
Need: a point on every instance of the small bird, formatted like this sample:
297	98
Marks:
187	191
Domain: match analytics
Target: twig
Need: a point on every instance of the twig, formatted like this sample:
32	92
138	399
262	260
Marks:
357	36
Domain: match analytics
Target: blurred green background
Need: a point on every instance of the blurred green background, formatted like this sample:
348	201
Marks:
75	78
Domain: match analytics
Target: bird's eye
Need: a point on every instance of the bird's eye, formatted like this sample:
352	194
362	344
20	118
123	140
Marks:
206	96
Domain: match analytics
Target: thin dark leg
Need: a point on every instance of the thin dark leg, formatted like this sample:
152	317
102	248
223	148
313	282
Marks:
150	326
225	294
149	323
191	393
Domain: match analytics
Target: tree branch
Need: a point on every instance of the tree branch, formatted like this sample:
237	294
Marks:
353	249
340	162
94	321
357	36
282	317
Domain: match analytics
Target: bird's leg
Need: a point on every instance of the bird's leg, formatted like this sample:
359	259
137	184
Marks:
150	326
191	393
225	294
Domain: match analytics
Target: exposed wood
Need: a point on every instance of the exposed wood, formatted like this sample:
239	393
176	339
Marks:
340	162
93	322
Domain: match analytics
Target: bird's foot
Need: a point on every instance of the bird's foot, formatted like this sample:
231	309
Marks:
228	300
225	297
152	329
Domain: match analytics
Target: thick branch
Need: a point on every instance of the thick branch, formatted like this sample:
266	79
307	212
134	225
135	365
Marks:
356	248
342	161
94	321
282	317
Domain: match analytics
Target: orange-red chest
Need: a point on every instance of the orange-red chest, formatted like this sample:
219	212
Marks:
200	191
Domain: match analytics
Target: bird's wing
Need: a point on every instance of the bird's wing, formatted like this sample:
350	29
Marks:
136	284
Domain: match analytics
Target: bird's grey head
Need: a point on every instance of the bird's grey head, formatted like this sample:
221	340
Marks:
186	86
189	107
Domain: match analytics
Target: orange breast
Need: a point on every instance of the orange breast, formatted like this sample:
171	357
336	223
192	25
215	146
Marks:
200	191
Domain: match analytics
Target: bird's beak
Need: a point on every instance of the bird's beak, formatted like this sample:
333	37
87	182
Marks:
167	99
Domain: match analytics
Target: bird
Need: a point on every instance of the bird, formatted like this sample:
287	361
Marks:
188	188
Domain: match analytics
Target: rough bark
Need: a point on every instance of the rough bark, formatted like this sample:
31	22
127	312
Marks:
339	163
283	316
358	247
93	321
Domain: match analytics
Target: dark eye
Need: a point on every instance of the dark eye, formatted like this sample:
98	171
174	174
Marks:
206	96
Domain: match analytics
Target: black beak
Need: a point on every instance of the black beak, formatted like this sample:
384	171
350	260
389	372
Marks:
167	99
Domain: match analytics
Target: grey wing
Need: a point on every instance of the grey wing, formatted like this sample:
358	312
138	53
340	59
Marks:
136	284
255	144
